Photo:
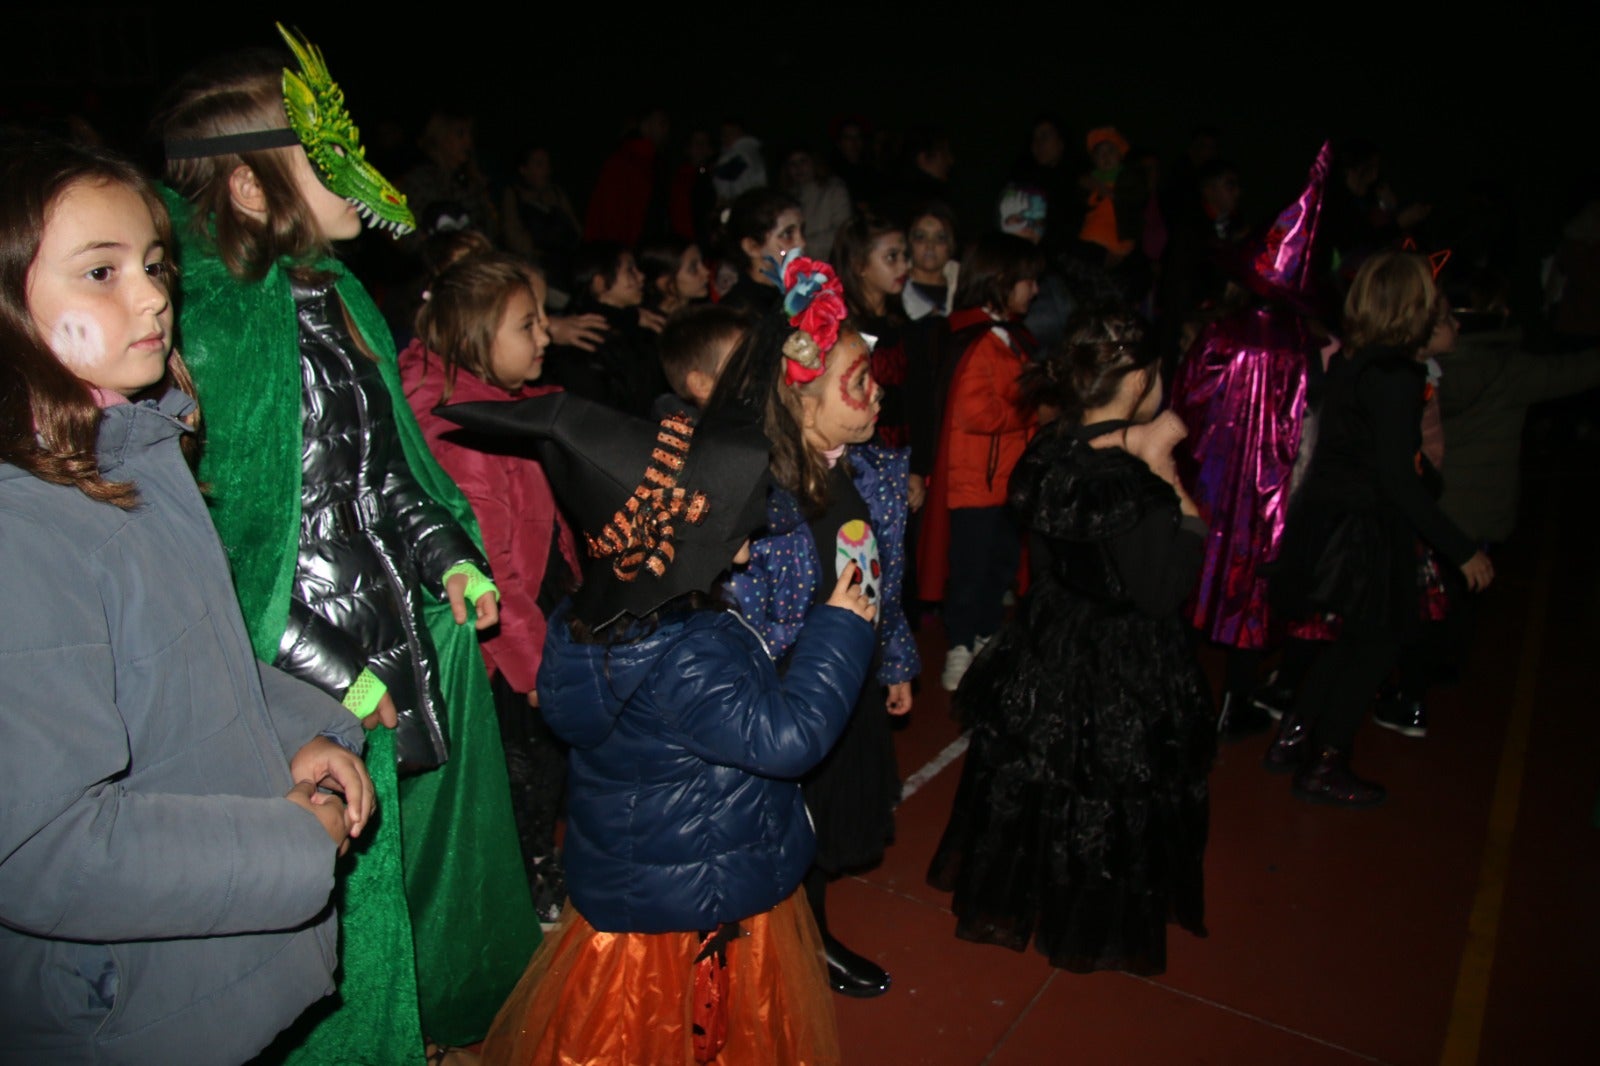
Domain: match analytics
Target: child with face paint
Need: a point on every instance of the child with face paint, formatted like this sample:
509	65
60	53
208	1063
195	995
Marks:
760	227
871	256
356	558
166	858
838	500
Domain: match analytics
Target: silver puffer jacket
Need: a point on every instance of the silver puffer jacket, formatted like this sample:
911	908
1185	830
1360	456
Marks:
372	542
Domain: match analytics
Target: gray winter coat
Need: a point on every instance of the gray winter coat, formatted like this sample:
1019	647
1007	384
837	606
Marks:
160	901
1489	383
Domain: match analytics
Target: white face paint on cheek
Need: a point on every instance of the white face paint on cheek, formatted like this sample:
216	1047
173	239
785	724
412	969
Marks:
78	341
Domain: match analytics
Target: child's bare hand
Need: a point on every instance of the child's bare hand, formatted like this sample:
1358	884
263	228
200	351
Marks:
584	332
899	699
486	609
330	812
1478	571
654	321
327	765
385	714
916	492
847	594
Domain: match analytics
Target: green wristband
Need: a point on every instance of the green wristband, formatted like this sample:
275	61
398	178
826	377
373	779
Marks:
478	583
363	695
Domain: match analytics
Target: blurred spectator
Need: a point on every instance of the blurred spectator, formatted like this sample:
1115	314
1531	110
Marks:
628	199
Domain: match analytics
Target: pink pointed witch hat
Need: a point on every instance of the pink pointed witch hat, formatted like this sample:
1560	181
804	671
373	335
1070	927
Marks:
1280	266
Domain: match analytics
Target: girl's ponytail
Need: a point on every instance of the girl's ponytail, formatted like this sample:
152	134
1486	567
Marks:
1101	348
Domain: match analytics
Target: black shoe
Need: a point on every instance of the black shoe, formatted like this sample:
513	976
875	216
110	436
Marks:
1289	747
1239	719
1274	698
1406	717
851	974
1327	778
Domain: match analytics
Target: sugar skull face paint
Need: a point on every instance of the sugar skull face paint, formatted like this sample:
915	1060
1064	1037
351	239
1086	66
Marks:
842	405
855	385
97	287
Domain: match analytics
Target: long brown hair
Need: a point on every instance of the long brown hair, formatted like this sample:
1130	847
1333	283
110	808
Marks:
241	93
752	386
49	421
852	247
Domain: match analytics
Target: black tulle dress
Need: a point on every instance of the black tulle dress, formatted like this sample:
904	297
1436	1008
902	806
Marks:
1080	821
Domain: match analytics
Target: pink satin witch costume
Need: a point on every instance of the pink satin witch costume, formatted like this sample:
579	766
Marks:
1241	390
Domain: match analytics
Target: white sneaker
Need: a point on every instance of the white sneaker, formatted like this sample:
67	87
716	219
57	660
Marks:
956	661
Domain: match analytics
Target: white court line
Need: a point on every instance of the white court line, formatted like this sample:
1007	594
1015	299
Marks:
950	754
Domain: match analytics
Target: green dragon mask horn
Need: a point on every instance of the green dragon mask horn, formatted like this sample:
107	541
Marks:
317	114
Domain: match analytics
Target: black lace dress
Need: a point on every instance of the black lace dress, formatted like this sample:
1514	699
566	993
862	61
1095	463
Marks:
1080	821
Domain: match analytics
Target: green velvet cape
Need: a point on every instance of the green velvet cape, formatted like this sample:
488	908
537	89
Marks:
471	914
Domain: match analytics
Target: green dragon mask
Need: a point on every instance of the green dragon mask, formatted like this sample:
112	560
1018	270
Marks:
317	115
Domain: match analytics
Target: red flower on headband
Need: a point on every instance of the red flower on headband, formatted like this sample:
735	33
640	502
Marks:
814	301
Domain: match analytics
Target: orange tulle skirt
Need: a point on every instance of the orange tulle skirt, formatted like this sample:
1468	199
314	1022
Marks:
593	997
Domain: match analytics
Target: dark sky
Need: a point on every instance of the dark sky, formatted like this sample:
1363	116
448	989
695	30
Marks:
1452	103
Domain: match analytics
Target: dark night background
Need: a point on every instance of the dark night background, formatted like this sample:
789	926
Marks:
1464	111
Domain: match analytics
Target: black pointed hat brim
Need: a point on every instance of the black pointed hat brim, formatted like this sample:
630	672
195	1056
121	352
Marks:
595	457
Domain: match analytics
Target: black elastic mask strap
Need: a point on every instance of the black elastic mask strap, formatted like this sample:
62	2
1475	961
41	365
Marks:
233	143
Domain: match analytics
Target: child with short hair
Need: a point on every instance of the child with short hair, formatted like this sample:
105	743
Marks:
695	347
624	370
1350	542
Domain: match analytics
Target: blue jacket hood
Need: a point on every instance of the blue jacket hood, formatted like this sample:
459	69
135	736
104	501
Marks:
583	687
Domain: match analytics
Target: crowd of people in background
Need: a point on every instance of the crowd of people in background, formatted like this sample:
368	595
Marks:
628	650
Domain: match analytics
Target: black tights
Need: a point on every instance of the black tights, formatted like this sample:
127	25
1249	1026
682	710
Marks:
1244	672
1340	684
816	886
1298	655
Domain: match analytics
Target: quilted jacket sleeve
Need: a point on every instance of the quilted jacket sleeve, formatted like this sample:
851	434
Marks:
83	855
737	711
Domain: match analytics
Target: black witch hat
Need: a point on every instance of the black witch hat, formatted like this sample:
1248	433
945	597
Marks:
663	507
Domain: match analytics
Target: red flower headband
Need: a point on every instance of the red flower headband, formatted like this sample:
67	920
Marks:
813	300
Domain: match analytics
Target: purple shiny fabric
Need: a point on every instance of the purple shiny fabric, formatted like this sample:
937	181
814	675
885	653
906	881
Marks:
1241	391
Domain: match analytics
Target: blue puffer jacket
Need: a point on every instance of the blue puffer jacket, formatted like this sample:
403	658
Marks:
682	809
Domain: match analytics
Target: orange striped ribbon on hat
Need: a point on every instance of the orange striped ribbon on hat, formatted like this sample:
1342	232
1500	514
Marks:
640	534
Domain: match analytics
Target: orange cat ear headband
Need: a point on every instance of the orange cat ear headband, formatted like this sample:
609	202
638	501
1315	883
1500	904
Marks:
1436	260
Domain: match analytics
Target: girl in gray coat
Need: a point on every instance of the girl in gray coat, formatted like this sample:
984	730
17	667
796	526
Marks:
170	810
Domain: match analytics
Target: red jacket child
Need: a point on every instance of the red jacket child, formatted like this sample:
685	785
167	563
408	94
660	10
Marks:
514	506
